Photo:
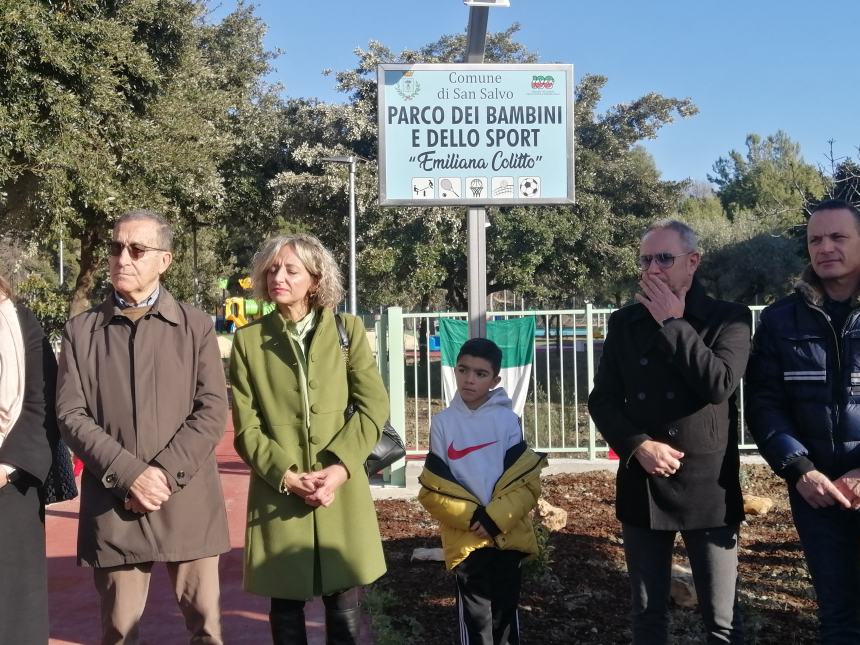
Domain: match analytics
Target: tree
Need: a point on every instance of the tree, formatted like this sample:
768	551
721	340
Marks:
258	123
416	257
49	305
845	182
759	269
740	261
107	106
772	181
751	231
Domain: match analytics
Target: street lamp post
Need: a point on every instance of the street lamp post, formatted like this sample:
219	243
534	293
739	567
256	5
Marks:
194	224
350	160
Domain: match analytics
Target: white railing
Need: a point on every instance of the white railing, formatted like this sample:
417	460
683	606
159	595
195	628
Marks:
567	348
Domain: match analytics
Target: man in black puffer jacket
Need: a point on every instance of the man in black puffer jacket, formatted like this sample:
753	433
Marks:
803	408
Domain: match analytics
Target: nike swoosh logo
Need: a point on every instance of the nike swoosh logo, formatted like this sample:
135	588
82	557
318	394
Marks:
453	453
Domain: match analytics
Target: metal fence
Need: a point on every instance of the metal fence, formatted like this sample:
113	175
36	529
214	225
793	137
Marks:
567	347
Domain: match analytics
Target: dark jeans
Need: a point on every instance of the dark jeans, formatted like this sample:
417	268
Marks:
488	592
831	542
713	555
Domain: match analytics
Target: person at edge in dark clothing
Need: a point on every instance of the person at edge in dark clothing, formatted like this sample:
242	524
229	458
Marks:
803	390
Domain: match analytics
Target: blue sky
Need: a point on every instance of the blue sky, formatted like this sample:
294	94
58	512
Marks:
750	66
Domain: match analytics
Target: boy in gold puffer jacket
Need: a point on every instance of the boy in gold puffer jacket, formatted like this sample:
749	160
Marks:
480	481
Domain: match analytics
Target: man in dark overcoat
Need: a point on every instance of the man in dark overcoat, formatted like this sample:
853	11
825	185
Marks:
141	399
664	400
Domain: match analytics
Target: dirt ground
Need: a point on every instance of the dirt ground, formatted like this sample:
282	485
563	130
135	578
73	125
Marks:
581	594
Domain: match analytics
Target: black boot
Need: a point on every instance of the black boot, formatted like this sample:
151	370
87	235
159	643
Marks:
288	627
342	626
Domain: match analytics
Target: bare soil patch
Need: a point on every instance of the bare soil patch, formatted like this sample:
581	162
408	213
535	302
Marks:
582	596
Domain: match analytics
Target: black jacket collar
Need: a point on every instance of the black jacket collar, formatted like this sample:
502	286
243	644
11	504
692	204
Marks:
812	291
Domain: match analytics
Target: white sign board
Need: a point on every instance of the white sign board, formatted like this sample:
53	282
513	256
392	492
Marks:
475	134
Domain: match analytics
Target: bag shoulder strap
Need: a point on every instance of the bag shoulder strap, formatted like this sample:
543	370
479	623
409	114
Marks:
343	336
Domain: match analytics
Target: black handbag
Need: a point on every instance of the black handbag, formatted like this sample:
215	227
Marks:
387	450
390	446
60	484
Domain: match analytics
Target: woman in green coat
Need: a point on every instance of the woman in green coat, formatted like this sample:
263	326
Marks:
312	528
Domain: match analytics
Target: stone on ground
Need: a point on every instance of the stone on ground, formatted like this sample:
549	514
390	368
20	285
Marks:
552	517
428	555
754	505
683	591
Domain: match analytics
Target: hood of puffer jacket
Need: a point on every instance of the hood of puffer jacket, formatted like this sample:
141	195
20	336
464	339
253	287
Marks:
810	289
496	398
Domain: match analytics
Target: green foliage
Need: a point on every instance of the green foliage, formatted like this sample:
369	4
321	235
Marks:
757	270
18	260
750	231
109	106
540	566
181	278
390	627
771	181
258	122
845	183
742	260
49	304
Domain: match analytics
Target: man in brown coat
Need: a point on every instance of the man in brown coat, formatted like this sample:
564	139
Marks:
141	400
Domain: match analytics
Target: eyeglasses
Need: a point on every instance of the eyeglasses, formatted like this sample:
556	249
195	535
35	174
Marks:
135	249
664	260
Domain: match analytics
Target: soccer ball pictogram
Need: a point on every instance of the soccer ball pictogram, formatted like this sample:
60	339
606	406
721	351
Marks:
529	186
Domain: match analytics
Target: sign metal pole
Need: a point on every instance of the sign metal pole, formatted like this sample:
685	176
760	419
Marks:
477	217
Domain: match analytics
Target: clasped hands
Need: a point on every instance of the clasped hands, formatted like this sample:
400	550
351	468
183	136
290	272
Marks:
317	488
659	299
820	492
148	492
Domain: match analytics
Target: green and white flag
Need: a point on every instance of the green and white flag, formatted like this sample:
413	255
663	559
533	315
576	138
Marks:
515	337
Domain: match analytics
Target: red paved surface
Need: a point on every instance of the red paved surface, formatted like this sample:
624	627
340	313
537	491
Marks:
74	604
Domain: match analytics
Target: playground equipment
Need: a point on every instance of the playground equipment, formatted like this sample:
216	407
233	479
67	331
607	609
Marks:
239	311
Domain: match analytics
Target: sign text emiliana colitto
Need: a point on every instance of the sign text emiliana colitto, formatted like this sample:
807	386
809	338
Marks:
475	135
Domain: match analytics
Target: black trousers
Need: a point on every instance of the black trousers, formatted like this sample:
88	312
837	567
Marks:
713	555
488	592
